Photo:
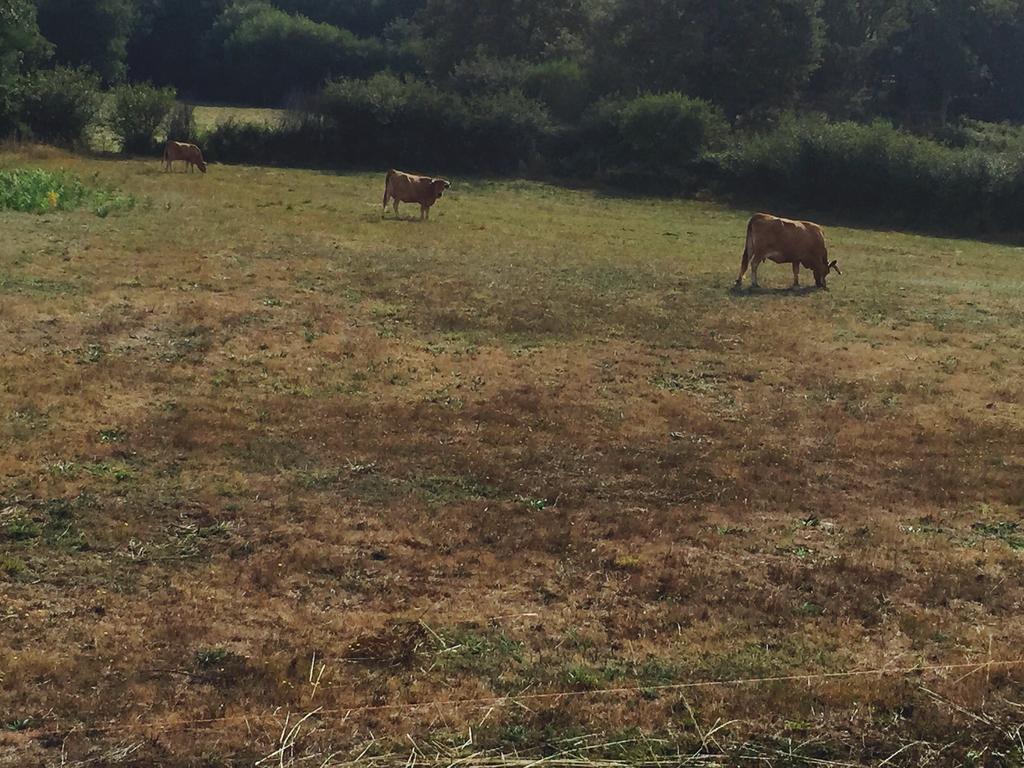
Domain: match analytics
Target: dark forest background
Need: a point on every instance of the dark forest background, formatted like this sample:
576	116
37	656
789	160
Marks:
912	103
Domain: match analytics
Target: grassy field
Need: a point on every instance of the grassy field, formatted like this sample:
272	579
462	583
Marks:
209	117
263	454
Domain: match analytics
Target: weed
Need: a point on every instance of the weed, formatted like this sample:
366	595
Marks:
41	191
22	528
112	435
628	563
12	566
1008	532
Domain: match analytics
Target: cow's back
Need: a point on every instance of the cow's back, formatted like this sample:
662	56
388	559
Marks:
800	240
407	187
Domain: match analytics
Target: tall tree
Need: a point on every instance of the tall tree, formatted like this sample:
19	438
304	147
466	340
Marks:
21	47
169	44
841	85
457	30
91	33
363	17
930	58
736	53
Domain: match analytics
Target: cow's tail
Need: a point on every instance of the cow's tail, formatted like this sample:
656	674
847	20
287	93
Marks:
748	248
387	184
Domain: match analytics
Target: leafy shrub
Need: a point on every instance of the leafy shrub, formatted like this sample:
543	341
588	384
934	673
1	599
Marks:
296	143
877	171
181	123
39	191
235	142
389	121
407	123
138	112
561	85
504	132
486	74
269	53
60	105
22	48
670	129
652	142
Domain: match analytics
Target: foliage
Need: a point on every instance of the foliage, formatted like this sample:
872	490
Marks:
268	54
408	123
654	139
60	105
735	53
460	30
89	33
879	171
170	44
138	112
486	74
39	191
181	123
561	85
21	46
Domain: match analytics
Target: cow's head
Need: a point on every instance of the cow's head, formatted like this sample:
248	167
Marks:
440	185
202	165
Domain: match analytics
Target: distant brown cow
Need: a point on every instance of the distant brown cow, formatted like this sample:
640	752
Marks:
785	241
190	153
407	188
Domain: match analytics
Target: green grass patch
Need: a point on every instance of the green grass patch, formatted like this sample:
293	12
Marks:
445	490
1007	532
484	654
12	567
33	190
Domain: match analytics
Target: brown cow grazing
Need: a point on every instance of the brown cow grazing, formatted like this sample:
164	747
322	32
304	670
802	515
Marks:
785	241
407	188
190	153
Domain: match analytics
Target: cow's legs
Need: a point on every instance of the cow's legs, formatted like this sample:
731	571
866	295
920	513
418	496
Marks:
384	207
796	274
743	267
424	212
394	206
754	264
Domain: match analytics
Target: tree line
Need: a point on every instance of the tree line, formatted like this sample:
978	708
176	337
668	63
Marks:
915	61
900	111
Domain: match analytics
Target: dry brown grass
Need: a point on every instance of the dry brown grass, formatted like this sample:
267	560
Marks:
263	453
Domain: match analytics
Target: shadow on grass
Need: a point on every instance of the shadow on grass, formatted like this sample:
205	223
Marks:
774	293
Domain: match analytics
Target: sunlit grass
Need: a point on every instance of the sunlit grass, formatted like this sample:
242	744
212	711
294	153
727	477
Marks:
536	444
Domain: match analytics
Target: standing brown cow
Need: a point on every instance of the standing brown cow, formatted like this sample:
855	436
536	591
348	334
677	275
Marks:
190	153
785	241
407	188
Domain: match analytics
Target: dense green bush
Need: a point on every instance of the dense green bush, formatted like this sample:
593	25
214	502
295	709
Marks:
296	143
138	112
669	129
875	171
559	84
60	105
269	54
21	49
486	74
236	142
652	142
504	132
407	123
